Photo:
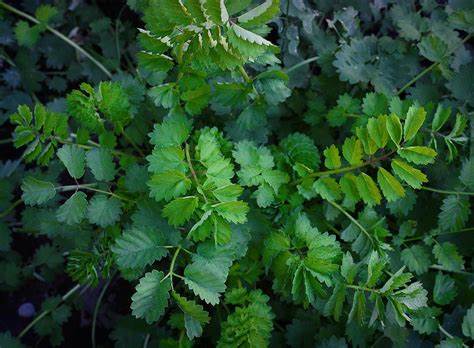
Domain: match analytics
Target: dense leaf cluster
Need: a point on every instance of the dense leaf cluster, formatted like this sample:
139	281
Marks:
261	173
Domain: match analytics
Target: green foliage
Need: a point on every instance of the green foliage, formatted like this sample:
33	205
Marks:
36	192
151	297
104	211
139	247
250	324
39	131
258	169
73	210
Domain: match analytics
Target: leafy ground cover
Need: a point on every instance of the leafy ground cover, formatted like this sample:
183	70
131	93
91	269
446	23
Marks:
236	173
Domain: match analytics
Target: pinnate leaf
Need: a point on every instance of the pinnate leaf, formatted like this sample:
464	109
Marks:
36	192
333	160
468	323
448	256
73	210
415	117
235	212
407	173
73	158
390	186
100	161
417	154
394	128
104	211
416	258
138	247
368	190
168	185
445	289
352	151
180	210
151	297
194	315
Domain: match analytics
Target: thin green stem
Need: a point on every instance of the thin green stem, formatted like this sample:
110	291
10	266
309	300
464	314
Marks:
33	323
441	268
193	172
60	35
46	312
446	192
96	309
117	41
244	74
345	169
173	261
350	217
92	144
442	329
135	146
90	187
10	208
6	141
417	77
66	188
362	288
447	334
109	193
430	67
146	341
178	276
68	142
302	63
439	234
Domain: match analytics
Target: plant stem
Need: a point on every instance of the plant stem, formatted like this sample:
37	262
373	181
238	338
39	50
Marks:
66	188
300	64
135	146
46	312
58	34
109	193
96	309
92	145
440	234
193	173
446	192
441	268
117	44
362	288
349	216
346	169
173	261
6	141
10	208
244	74
147	339
447	334
90	188
431	67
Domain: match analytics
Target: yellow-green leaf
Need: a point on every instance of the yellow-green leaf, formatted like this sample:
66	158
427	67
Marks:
377	128
394	128
370	147
407	173
333	159
368	190
441	116
417	154
349	188
180	210
327	188
415	118
391	187
352	151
